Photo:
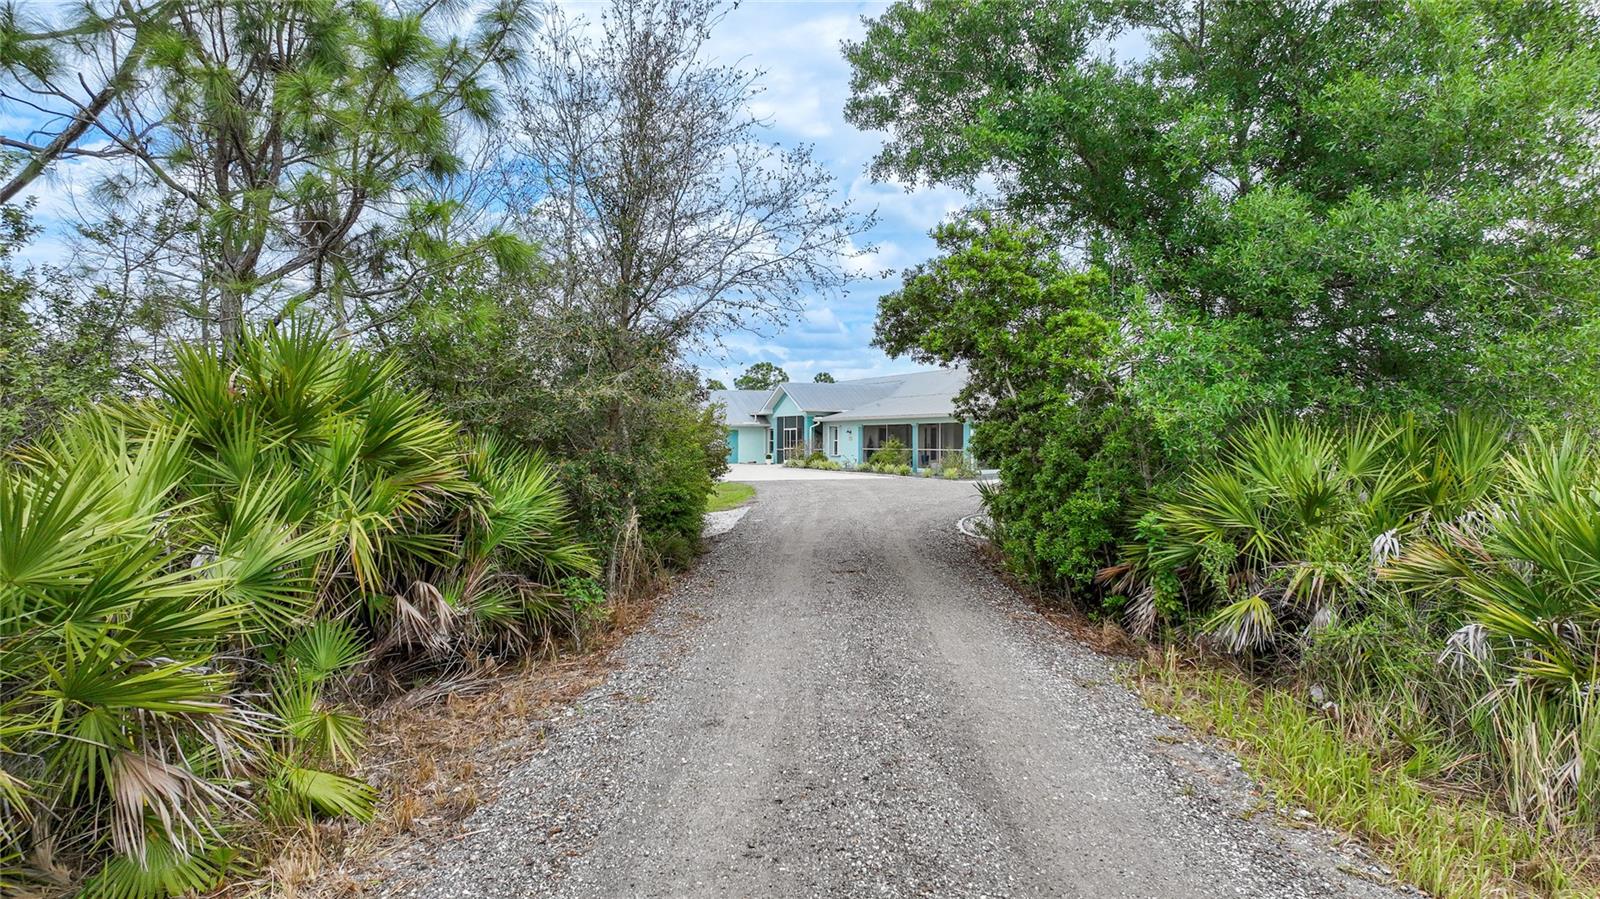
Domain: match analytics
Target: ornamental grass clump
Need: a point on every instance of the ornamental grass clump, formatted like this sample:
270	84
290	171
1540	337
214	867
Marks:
188	585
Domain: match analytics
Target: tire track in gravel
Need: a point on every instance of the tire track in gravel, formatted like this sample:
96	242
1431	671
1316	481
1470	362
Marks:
842	701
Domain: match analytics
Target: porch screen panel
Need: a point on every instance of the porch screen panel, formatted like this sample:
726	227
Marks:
875	436
938	443
789	434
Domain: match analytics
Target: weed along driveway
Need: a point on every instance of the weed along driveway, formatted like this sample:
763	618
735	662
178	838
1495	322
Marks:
841	700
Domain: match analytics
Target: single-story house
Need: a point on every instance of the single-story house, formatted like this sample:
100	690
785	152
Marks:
848	420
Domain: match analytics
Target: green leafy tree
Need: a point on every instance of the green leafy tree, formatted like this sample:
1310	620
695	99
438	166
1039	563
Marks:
823	377
1378	205
714	384
297	138
56	352
1044	358
761	376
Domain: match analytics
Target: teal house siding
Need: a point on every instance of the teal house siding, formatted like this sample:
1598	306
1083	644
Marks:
747	444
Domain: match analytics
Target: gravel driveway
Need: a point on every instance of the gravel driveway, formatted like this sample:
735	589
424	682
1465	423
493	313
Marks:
842	701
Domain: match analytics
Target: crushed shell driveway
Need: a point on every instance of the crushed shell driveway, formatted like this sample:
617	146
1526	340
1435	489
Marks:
842	700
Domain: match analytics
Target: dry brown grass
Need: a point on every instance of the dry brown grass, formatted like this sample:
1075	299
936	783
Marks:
434	754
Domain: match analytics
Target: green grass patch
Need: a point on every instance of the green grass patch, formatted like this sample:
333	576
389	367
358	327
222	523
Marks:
729	494
1452	845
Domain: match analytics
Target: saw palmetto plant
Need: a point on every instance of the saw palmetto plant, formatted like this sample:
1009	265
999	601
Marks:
1521	576
1283	533
1443	576
185	583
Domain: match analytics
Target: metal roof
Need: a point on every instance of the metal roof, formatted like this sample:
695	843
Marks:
837	397
920	394
923	394
740	407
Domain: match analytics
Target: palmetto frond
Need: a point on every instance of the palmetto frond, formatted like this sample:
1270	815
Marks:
1244	624
327	793
1527	576
291	508
311	724
1310	510
162	871
149	794
325	648
525	516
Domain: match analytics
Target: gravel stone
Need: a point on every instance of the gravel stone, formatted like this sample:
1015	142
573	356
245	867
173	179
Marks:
718	523
842	700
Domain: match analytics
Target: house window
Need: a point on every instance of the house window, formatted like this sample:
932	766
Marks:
833	438
875	436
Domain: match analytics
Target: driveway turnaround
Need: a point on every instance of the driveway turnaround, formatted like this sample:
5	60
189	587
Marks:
841	700
751	473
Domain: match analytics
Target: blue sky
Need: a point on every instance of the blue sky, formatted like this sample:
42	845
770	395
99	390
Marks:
807	81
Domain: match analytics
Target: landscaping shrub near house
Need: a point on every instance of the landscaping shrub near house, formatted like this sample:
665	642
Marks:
188	583
955	466
892	454
817	460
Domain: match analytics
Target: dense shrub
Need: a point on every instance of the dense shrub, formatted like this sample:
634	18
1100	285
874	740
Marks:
1280	531
627	448
817	460
689	452
185	583
1438	583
